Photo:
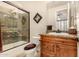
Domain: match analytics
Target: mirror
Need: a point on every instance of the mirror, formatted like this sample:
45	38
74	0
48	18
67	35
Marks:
62	20
62	15
66	18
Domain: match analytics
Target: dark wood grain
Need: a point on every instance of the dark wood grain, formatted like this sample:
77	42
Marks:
58	47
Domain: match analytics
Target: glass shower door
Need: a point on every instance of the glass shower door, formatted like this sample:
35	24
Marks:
14	29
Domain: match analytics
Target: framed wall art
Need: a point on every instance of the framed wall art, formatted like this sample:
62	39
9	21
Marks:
37	18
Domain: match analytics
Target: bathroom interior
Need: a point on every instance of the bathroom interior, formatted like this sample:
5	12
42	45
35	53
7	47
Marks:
23	23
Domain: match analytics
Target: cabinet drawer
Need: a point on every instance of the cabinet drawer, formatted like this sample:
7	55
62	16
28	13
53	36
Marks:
67	42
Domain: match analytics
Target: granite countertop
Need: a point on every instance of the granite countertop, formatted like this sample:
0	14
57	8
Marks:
62	35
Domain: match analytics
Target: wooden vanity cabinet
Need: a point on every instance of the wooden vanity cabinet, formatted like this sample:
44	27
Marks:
52	46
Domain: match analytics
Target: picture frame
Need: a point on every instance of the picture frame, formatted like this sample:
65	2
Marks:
37	18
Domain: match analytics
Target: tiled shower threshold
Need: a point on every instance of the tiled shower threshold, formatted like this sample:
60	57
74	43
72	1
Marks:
13	45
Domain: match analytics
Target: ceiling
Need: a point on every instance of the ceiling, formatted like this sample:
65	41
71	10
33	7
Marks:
48	3
56	3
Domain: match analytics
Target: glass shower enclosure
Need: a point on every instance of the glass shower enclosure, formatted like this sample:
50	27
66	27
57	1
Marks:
15	29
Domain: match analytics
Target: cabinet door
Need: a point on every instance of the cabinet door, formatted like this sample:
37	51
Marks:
70	51
47	49
65	50
62	51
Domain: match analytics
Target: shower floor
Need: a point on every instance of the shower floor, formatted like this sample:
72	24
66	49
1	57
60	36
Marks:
9	46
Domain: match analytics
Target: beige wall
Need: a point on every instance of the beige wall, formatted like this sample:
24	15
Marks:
35	29
36	7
